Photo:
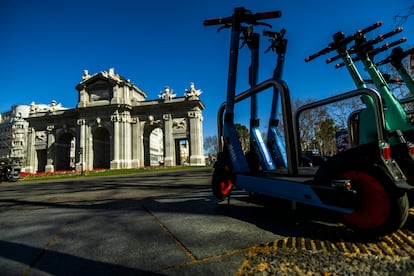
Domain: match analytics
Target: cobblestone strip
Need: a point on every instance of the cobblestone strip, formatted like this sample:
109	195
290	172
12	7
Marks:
335	252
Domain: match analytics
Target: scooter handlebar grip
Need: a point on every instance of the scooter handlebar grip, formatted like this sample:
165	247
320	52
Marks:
320	53
268	15
339	65
214	21
329	60
372	27
345	40
389	34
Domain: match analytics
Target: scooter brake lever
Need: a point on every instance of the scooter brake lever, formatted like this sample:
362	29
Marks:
269	48
225	26
272	45
263	24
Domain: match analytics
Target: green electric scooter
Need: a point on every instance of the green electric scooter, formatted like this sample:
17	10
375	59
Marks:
361	130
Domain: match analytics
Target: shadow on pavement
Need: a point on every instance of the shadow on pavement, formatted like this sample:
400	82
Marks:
269	214
31	256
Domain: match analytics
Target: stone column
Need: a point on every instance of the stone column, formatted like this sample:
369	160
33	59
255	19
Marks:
88	147
50	149
31	151
81	150
196	138
126	153
169	145
116	120
136	137
140	142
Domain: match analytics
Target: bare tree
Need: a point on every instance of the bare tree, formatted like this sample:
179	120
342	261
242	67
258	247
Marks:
341	110
403	15
210	145
244	136
318	127
327	134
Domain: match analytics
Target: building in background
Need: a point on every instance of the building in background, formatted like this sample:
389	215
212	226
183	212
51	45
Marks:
13	136
112	127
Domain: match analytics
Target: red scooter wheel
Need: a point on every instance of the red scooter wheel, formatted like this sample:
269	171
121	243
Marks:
222	183
381	209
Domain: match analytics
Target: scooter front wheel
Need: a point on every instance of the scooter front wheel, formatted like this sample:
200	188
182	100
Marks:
222	183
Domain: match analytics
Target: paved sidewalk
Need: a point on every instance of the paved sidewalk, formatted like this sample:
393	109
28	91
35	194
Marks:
172	235
165	223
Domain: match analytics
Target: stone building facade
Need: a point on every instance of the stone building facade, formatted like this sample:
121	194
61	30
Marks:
13	133
111	128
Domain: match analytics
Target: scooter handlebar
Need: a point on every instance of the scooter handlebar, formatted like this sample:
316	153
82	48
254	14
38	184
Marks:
377	51
318	54
365	44
372	27
245	17
393	32
267	15
341	40
397	54
217	21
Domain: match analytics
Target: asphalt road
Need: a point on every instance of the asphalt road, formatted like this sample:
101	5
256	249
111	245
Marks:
165	223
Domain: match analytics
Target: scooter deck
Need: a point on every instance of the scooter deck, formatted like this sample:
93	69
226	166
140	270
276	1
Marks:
300	188
305	174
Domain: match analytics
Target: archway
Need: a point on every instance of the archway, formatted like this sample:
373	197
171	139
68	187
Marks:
65	152
153	145
41	159
156	147
101	148
182	156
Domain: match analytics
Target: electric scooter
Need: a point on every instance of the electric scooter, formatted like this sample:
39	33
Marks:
364	184
259	153
399	127
396	57
274	136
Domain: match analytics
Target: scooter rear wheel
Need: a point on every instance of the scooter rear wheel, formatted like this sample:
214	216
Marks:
382	208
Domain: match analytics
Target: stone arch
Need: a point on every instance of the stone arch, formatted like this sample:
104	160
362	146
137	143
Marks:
156	143
149	156
112	123
65	151
182	156
101	148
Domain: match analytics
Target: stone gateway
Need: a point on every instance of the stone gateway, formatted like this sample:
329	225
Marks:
112	127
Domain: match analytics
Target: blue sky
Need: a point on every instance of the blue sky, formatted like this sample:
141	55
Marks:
46	45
